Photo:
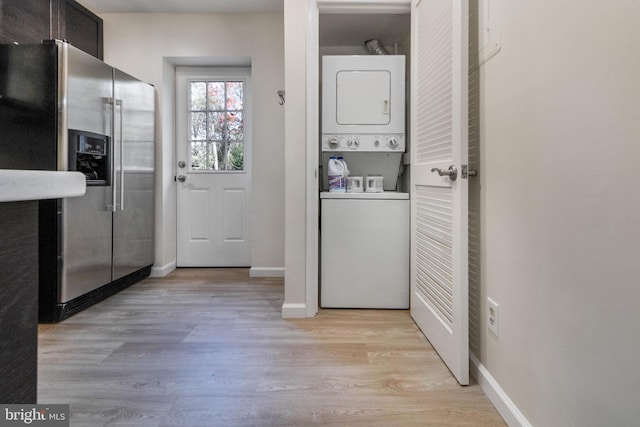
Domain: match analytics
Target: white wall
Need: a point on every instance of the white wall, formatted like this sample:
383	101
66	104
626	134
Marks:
149	45
560	144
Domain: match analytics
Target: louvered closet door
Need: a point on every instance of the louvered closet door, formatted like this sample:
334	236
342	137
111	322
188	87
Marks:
439	263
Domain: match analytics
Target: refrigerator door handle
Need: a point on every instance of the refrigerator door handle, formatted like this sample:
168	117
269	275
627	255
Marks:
120	103
114	182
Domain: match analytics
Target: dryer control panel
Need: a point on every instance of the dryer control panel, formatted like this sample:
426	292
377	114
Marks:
364	142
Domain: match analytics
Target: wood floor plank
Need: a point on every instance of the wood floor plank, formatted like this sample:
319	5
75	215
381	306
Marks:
208	347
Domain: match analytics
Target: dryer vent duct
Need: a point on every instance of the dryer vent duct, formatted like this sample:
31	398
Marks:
374	46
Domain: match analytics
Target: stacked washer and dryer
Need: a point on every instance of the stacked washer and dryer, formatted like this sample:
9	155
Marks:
364	235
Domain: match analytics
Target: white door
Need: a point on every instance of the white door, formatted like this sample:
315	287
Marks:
213	170
439	263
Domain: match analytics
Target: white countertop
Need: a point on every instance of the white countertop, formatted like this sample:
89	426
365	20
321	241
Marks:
20	185
385	195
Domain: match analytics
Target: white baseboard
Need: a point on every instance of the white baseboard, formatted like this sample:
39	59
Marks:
294	311
266	272
507	409
163	270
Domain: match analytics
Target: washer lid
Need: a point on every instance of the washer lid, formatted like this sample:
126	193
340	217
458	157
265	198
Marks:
385	195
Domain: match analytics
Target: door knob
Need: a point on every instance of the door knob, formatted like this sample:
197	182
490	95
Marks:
181	178
452	172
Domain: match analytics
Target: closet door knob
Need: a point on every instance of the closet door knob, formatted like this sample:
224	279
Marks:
452	172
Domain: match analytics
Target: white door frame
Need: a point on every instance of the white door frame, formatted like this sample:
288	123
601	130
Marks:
312	184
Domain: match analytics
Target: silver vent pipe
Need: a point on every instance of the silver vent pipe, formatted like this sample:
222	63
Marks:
374	46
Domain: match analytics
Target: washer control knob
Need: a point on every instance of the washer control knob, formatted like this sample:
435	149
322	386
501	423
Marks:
353	142
392	142
333	142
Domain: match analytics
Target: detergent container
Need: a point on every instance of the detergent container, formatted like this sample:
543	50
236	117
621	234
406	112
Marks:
336	175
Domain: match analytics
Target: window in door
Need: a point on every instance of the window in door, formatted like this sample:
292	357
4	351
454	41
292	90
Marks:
216	126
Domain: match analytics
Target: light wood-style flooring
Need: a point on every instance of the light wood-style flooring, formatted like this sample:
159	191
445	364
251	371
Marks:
208	347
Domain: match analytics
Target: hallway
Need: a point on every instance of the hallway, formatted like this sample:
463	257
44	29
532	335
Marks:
208	347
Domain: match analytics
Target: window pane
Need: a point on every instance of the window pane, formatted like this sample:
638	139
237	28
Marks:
236	157
216	126
198	98
198	155
216	149
215	94
234	95
234	126
198	129
213	157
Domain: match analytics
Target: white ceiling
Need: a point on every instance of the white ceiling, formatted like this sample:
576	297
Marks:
335	29
183	6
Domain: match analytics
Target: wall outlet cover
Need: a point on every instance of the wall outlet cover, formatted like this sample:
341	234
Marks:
493	311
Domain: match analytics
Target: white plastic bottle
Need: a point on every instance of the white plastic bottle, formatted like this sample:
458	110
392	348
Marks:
346	170
336	176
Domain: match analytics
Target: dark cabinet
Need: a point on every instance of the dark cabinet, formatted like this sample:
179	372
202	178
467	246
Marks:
31	21
25	21
19	302
80	27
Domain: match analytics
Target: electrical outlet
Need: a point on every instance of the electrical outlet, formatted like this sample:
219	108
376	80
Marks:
492	316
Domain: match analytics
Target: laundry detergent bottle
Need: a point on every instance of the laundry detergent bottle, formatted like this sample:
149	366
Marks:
346	169
336	175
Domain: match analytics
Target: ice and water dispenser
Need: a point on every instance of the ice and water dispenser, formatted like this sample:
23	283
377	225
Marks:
89	154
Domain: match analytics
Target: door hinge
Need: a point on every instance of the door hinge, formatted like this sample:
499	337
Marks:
466	172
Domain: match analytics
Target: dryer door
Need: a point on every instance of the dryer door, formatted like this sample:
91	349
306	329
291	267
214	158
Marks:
363	97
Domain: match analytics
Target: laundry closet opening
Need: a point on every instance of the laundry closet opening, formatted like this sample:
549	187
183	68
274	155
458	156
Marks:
363	160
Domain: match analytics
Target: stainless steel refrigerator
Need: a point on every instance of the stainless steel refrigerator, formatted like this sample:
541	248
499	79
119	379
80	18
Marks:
62	109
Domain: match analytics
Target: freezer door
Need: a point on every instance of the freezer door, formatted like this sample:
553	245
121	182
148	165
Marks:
86	87
88	92
133	225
